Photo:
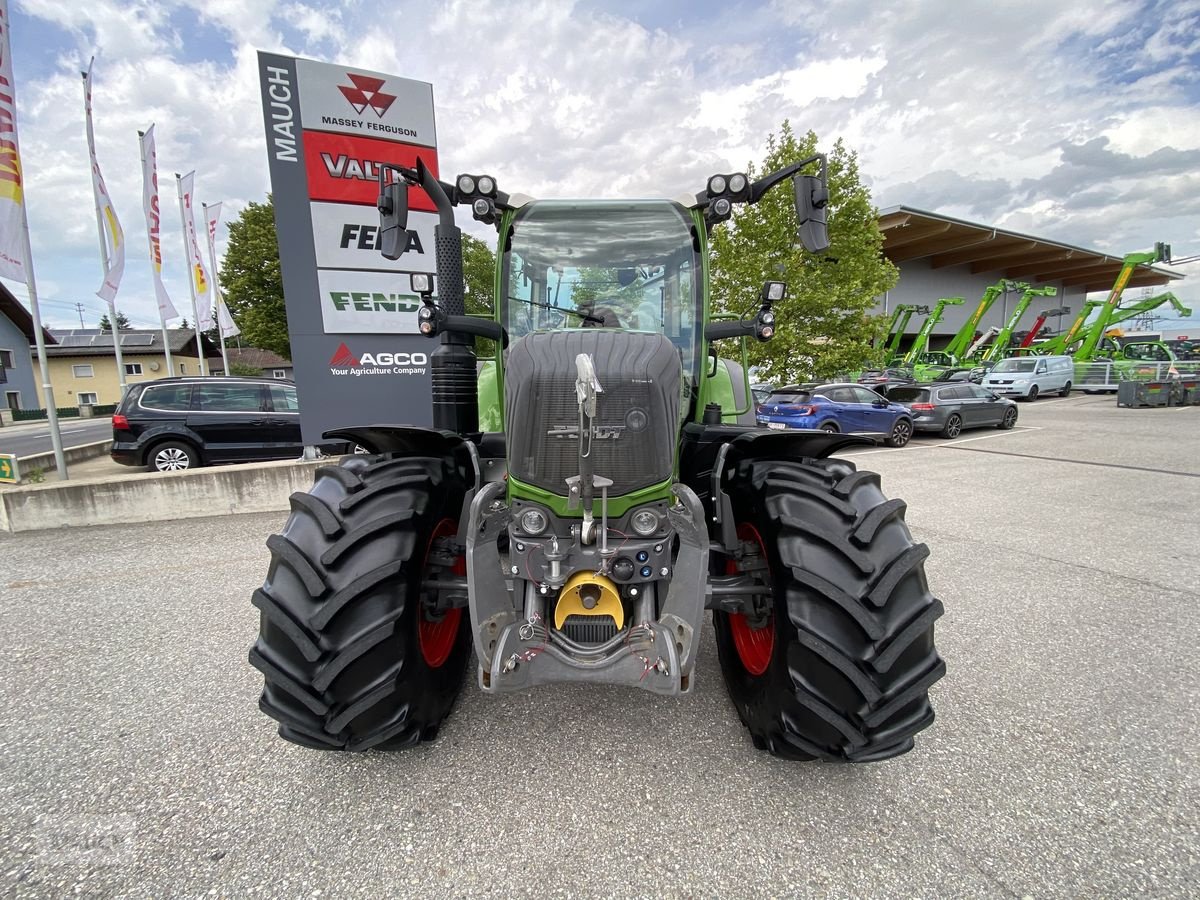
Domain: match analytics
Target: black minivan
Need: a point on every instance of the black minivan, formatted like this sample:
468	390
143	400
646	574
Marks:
180	423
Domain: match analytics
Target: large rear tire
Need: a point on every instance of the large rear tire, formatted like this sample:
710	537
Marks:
352	654
841	669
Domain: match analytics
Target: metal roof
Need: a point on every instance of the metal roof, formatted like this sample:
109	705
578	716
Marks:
134	342
945	241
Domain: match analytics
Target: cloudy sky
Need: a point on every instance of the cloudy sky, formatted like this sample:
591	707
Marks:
1074	121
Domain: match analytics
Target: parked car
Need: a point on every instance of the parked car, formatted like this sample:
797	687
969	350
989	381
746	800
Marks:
180	423
973	374
949	408
1028	377
882	379
850	408
761	392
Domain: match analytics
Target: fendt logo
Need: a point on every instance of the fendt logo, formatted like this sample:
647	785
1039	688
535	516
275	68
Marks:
366	92
374	301
345	362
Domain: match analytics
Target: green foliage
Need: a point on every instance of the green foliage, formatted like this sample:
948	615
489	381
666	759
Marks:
245	369
122	322
825	323
252	280
479	279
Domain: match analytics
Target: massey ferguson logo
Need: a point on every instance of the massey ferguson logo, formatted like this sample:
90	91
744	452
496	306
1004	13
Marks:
344	362
366	92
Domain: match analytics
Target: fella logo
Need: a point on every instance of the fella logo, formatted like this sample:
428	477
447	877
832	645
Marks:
365	91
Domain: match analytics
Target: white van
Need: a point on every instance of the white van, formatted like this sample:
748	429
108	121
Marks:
1030	377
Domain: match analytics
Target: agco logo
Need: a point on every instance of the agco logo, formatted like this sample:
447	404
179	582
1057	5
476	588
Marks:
366	92
345	362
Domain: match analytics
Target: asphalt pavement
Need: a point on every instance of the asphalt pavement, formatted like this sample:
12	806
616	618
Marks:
1065	760
27	439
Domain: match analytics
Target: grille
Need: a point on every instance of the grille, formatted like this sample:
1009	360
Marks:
589	629
637	412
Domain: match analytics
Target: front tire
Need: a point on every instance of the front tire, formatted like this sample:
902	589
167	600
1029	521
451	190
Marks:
901	433
840	667
1033	394
1066	391
352	654
1010	419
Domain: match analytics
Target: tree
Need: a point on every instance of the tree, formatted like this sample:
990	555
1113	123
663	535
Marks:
183	323
825	325
241	368
252	280
122	322
479	280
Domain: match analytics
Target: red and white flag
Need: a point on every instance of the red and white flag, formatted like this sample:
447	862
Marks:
112	235
166	309
199	272
12	183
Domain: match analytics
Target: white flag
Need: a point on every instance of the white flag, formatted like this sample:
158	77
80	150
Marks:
12	191
114	237
166	309
204	302
225	320
212	218
212	215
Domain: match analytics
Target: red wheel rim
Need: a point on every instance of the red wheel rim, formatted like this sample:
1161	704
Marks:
436	636
754	646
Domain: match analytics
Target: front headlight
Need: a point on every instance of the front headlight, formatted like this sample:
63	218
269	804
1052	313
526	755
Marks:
533	521
645	522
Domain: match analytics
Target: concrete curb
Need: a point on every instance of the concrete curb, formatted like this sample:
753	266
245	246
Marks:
47	463
157	497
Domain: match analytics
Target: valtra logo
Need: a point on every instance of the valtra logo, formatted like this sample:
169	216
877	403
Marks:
366	92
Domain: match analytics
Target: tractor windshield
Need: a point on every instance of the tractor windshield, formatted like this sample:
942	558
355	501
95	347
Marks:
624	264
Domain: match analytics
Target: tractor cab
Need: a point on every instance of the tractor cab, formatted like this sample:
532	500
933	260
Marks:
623	265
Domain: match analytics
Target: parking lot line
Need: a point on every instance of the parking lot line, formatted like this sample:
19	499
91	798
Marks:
984	437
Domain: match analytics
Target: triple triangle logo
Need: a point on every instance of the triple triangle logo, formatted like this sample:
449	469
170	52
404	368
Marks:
366	92
343	357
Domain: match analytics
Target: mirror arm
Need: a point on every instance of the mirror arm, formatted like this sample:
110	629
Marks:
764	184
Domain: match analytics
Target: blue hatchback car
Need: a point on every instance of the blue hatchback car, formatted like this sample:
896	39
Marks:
849	408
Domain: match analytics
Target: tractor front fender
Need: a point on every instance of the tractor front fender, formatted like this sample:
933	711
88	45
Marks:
709	452
415	441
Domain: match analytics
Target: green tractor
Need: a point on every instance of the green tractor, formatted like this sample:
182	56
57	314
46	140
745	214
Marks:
585	540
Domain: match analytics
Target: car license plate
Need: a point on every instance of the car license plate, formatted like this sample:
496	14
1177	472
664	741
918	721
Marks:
778	426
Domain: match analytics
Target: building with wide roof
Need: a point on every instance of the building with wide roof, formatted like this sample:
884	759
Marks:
942	256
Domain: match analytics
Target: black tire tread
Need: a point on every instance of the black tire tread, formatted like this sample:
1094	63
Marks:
337	645
854	660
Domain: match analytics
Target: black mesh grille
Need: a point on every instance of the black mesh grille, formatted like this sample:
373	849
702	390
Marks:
589	629
636	413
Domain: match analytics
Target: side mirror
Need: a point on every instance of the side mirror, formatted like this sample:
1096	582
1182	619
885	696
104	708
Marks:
393	218
812	198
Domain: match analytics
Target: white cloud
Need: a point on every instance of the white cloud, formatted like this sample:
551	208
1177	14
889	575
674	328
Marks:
973	107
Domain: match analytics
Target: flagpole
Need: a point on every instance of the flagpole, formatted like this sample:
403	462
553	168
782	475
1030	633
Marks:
212	268
187	254
112	305
60	458
150	248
